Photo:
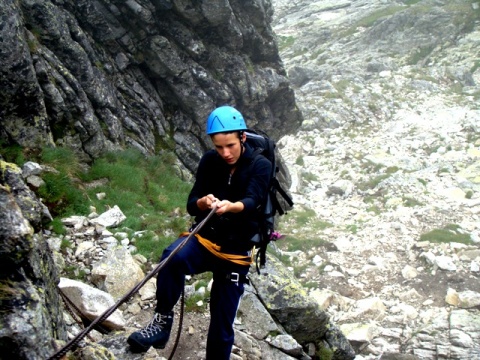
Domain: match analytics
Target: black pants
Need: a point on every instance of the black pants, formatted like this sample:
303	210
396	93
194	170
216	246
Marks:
225	296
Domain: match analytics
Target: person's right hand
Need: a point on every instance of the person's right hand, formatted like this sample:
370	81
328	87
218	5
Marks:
206	202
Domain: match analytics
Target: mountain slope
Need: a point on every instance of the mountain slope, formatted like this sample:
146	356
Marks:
388	159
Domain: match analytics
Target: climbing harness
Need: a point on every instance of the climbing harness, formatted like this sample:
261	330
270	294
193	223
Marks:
216	250
63	351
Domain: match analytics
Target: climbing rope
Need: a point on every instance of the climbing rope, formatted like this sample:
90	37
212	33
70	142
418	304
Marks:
180	322
63	351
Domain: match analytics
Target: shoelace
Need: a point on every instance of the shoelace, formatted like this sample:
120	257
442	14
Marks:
156	325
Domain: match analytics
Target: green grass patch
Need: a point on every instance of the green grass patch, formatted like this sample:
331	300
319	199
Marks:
62	196
353	228
342	85
299	161
374	209
298	270
74	272
310	285
392	169
65	244
61	193
147	191
151	245
476	65
308	238
145	188
419	54
450	233
372	18
324	353
422	181
411	202
372	183
303	217
58	227
465	15
63	160
12	153
309	177
191	303
302	243
285	42
307	218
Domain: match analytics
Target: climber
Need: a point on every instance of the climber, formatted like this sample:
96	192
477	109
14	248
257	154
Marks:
229	180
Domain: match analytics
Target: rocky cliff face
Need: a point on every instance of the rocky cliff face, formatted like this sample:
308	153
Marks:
100	75
28	277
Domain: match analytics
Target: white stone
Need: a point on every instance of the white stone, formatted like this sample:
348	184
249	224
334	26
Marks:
452	297
83	247
117	272
358	332
148	291
31	168
92	302
111	218
474	267
409	272
468	299
317	260
445	263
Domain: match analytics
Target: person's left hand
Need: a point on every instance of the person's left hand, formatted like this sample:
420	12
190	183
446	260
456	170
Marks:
223	206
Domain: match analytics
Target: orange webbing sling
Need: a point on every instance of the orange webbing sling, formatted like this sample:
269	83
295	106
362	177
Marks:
216	250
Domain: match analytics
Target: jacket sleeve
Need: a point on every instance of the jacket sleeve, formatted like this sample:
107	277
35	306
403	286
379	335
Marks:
258	184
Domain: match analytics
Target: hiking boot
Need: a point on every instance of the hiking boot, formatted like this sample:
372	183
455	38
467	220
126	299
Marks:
155	334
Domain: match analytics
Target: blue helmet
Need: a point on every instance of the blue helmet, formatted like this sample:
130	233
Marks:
225	119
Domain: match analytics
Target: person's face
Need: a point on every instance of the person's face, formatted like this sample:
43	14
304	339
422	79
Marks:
228	146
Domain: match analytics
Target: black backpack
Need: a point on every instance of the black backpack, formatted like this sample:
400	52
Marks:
262	144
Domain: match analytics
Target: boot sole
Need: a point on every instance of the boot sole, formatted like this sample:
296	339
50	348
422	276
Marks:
136	347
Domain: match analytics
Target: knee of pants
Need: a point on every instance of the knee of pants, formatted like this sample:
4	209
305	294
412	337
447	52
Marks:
169	249
188	259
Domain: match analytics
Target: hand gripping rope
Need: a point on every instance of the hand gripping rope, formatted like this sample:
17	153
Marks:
63	351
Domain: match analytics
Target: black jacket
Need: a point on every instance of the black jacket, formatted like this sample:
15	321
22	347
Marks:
248	184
